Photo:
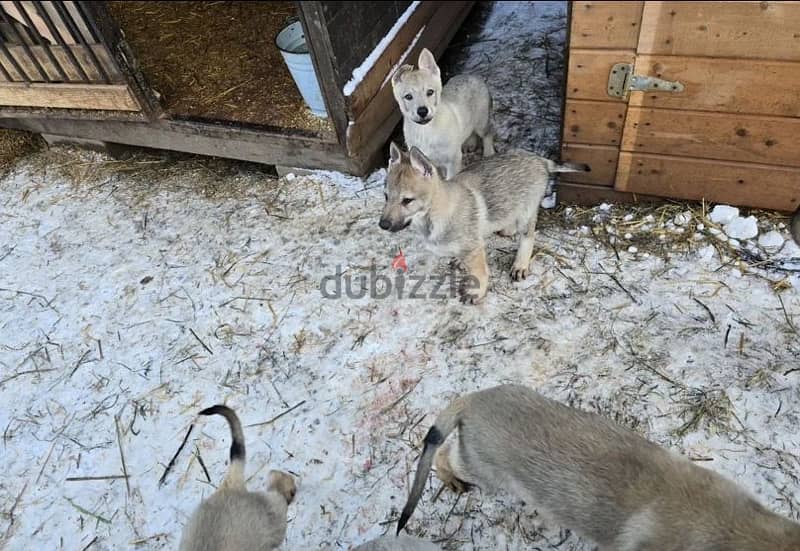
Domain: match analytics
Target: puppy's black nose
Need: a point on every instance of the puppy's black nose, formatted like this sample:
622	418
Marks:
384	224
422	112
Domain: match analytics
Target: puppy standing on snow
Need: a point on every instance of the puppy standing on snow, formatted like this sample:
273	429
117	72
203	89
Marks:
593	476
455	216
438	121
233	519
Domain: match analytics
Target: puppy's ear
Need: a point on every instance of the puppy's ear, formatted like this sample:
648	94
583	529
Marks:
398	74
394	154
428	62
422	164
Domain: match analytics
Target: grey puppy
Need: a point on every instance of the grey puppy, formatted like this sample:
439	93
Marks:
399	542
233	519
455	216
594	476
794	226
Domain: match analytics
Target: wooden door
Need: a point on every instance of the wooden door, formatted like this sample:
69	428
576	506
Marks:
52	56
728	136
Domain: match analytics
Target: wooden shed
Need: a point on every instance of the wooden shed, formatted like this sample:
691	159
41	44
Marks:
690	100
207	77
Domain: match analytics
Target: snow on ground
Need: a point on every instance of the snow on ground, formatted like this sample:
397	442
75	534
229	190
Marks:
136	293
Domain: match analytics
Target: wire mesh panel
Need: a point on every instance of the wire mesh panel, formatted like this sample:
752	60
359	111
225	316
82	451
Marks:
52	42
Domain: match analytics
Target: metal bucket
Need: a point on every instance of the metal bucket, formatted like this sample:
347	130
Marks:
292	43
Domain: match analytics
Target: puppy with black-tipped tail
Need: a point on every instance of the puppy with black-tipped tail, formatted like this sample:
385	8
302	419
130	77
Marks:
593	476
234	519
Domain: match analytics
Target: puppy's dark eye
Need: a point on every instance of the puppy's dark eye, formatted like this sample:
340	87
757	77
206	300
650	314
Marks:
407	201
408	97
429	93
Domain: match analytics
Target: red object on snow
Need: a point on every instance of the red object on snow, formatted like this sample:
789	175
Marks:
399	261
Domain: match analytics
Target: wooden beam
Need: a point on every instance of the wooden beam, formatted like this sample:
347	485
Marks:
112	97
762	30
723	136
312	17
200	138
573	193
745	184
723	85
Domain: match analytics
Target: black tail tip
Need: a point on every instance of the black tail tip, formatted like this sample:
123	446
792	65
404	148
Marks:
215	410
404	516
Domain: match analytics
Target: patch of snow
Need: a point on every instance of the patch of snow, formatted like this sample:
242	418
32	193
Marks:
549	201
683	218
604	207
628	217
628	236
734	243
361	71
742	228
633	249
701	226
723	214
771	241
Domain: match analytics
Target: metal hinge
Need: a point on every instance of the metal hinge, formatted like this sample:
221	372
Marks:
621	80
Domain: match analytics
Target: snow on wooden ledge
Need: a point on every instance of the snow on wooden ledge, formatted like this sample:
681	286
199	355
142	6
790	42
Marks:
361	71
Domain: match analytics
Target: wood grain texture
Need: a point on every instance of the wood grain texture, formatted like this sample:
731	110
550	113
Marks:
593	122
602	161
605	24
723	136
200	138
113	97
765	30
746	184
587	76
723	85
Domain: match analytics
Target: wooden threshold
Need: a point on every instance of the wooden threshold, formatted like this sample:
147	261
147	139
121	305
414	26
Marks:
200	138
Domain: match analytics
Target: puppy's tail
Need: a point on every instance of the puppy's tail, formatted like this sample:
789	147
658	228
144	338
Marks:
554	167
235	476
445	423
794	226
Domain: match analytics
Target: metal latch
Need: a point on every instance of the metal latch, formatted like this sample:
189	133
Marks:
621	80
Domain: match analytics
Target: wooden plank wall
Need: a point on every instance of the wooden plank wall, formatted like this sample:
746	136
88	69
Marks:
731	136
601	34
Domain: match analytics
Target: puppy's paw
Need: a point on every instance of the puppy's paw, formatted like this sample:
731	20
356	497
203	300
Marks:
471	296
456	485
518	273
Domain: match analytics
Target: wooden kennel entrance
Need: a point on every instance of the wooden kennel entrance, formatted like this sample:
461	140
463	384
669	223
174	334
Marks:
207	77
53	57
691	100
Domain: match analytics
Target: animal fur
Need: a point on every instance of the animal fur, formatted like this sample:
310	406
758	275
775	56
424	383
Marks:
455	216
794	226
593	476
233	519
399	542
440	120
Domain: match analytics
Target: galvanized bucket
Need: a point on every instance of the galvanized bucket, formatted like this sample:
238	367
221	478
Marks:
292	43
